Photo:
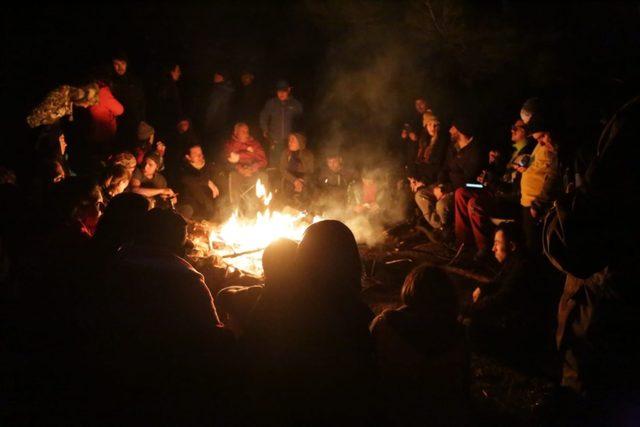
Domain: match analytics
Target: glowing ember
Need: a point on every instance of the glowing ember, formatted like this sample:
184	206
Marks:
241	241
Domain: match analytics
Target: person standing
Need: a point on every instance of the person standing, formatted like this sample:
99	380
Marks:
277	119
128	91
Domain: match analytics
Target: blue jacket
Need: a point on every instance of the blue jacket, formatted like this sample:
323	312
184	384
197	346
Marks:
277	118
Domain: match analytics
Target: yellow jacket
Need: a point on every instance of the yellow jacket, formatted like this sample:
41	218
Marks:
541	180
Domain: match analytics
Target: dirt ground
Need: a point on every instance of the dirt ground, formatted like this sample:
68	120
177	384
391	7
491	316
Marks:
501	394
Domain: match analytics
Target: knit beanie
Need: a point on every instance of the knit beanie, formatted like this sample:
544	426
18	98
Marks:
464	125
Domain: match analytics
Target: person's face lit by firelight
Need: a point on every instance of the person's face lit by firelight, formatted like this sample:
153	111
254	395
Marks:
294	145
502	248
196	156
455	134
432	128
120	66
421	106
150	167
334	164
176	73
517	131
283	94
242	133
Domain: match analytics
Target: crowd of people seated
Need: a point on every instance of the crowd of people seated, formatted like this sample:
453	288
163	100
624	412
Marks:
108	321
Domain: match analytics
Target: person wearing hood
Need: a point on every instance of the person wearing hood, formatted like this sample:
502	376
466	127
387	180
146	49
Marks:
296	166
277	119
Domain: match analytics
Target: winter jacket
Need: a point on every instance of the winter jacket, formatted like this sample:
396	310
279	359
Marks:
462	166
591	234
304	168
103	115
251	153
129	92
541	181
167	110
278	118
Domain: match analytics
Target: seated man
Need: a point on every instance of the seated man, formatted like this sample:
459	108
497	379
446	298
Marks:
333	181
509	313
198	191
464	163
499	195
248	159
150	183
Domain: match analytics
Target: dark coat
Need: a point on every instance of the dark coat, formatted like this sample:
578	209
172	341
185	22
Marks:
591	234
462	166
216	120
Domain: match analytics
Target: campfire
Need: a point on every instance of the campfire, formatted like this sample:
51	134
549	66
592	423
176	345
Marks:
240	241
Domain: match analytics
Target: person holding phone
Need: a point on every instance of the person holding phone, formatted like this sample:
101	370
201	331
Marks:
495	193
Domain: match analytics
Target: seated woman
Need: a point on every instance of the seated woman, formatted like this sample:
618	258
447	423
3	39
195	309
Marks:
422	357
150	183
296	167
114	181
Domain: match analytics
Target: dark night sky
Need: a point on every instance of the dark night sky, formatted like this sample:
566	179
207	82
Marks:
589	52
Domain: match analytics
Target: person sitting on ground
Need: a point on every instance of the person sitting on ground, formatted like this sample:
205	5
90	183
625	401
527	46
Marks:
328	349
247	159
333	181
369	195
266	331
235	304
114	181
120	224
145	137
509	316
150	183
197	189
498	197
52	147
422	354
464	162
161	318
125	159
296	167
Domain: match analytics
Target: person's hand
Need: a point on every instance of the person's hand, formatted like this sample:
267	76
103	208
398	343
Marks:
437	191
250	149
233	157
298	185
519	168
413	136
404	134
167	192
481	177
214	189
494	155
476	294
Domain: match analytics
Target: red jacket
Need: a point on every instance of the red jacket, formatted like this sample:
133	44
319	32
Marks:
103	114
251	153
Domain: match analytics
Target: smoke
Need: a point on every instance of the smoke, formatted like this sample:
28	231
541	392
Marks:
370	80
